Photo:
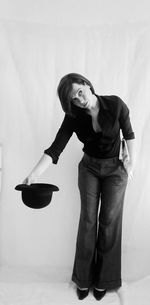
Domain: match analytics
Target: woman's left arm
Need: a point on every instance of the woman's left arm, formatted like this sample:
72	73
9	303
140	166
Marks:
130	164
129	136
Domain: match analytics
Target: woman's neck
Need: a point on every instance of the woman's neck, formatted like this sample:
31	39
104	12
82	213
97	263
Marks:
95	107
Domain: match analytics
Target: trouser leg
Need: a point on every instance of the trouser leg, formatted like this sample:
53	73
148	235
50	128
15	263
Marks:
98	256
108	266
89	187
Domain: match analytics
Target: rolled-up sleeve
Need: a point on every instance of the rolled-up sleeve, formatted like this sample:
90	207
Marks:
125	123
62	137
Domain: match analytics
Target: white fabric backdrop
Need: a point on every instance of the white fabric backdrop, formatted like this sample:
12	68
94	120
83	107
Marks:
33	58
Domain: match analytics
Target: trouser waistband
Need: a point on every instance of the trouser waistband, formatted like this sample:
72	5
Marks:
88	158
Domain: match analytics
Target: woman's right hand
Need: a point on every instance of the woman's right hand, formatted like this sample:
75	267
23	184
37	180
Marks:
30	179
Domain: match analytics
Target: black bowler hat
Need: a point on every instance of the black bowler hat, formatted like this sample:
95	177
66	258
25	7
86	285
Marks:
37	195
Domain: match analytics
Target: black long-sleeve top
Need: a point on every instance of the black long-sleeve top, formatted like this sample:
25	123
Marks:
113	116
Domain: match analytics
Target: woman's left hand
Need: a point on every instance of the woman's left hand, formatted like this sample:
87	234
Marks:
129	168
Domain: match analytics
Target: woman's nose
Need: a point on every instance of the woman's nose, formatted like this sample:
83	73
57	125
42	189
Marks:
81	100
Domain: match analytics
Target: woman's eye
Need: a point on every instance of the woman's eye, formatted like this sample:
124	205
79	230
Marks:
79	92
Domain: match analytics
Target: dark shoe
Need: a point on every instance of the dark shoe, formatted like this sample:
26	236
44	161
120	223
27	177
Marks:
98	295
82	294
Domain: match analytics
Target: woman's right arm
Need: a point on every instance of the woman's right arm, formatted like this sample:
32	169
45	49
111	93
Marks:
51	155
39	169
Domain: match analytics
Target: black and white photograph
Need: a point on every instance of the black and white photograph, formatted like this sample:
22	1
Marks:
74	152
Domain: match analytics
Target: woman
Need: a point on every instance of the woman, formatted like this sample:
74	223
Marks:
97	121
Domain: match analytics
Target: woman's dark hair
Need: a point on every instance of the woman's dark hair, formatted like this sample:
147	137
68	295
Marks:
64	91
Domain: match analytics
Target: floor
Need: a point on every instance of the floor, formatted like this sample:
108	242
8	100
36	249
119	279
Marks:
18	287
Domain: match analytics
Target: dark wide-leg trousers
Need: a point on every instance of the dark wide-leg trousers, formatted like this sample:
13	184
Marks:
102	184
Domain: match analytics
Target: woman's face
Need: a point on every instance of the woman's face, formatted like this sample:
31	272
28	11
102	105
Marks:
82	96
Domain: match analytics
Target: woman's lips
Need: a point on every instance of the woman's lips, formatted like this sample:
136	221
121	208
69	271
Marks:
85	105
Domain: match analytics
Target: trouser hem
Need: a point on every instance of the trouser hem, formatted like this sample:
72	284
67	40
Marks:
82	283
108	285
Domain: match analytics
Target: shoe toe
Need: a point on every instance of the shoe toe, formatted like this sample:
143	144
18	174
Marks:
82	294
98	294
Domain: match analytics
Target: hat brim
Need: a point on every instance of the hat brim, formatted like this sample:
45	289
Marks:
37	187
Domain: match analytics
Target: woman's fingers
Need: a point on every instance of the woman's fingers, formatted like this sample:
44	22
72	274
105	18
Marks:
29	180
